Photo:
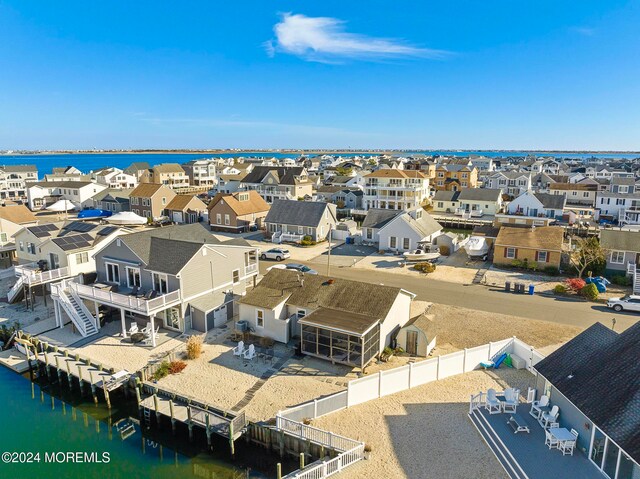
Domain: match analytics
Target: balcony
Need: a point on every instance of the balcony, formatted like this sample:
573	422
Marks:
465	213
32	275
251	269
136	304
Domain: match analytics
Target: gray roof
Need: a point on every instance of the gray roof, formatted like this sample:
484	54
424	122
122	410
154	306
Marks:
480	194
443	195
424	226
618	240
286	175
378	217
619	180
555	202
19	168
298	213
278	285
595	373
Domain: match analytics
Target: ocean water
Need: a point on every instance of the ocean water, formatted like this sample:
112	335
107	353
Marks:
40	426
88	162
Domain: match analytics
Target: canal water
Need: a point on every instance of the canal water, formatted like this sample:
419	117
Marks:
58	435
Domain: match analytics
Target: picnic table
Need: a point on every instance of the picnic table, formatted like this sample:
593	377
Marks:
517	423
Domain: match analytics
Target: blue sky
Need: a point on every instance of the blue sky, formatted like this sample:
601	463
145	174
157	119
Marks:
306	74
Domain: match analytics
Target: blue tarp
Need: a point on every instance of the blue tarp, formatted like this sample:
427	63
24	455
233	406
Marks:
600	282
94	214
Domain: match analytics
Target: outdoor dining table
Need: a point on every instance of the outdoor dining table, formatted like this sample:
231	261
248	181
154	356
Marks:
562	434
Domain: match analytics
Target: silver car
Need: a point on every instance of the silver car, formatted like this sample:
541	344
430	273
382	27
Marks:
275	253
629	302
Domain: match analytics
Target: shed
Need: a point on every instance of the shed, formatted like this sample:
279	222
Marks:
211	311
417	337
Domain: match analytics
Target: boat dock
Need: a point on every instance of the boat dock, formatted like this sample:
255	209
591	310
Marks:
461	223
14	360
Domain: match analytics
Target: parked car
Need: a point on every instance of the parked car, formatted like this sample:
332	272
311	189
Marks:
629	302
275	253
301	268
277	266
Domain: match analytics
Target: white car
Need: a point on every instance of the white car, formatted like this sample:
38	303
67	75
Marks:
275	253
629	302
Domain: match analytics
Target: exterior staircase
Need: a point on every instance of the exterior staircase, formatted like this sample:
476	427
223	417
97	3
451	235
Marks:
82	319
16	291
632	270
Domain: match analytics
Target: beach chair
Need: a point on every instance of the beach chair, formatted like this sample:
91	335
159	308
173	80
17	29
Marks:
511	401
548	417
492	404
550	440
537	407
250	353
239	349
133	328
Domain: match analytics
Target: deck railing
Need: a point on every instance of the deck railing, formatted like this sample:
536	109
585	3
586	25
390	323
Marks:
33	276
251	268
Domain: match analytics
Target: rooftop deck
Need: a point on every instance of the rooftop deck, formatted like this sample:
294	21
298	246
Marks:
526	456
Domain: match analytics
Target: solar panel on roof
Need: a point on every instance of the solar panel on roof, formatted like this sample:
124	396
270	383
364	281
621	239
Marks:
107	230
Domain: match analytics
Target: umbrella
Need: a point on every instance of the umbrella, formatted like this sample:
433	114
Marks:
127	218
61	205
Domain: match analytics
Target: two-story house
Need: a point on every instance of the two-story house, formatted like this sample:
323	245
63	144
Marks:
577	194
512	183
395	189
176	277
114	200
171	175
455	177
114	178
531	208
42	194
621	208
336	319
13	218
149	200
201	173
284	183
237	212
14	180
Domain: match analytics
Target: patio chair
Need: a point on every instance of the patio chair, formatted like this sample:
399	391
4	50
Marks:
511	401
134	291
492	404
239	349
537	407
250	353
133	328
567	447
548	417
550	440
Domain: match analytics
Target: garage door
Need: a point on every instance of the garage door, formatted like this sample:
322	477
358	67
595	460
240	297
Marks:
220	316
177	217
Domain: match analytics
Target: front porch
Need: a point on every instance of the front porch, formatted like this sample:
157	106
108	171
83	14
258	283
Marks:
525	455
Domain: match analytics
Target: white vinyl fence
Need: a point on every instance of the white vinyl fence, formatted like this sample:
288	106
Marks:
409	376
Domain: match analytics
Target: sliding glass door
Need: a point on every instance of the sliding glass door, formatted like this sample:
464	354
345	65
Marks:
612	461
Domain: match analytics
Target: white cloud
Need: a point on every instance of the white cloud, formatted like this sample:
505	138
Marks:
324	39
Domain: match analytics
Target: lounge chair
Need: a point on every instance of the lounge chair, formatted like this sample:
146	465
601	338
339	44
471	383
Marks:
492	404
548	417
550	440
239	349
250	353
538	407
511	400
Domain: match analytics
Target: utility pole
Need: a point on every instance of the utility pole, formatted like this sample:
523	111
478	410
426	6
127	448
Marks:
329	253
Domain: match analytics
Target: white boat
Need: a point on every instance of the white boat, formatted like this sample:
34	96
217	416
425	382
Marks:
61	206
477	246
426	252
127	218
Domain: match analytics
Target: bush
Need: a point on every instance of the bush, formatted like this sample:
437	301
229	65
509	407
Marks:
194	347
575	284
621	280
590	292
425	267
551	270
560	289
307	241
176	367
444	250
162	371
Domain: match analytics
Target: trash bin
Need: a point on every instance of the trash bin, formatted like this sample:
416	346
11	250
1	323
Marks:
519	288
507	286
531	288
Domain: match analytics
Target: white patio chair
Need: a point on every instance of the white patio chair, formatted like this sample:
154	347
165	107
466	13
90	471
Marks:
511	401
567	447
550	440
239	349
133	328
548	417
492	404
537	406
250	353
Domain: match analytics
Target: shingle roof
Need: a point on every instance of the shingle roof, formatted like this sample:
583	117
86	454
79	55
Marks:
168	168
146	190
300	213
378	217
555	202
278	285
255	203
19	168
115	194
424	226
620	240
480	194
180	202
286	175
18	214
443	195
540	237
395	173
598	372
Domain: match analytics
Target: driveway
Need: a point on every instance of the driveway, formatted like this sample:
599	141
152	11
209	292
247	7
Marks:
345	255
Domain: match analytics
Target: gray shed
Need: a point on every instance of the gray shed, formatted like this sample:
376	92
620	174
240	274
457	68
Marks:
417	337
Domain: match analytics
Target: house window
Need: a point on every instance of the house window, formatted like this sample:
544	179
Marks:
301	313
617	257
113	273
21	246
300	230
164	200
259	318
218	218
309	230
159	282
392	242
543	256
31	248
406	243
133	277
82	258
3	237
369	233
510	253
227	221
236	276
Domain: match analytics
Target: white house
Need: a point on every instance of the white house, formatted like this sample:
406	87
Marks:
512	183
45	193
115	178
480	201
399	230
395	189
621	207
537	205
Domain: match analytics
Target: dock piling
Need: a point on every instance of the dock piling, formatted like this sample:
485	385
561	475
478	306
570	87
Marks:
173	418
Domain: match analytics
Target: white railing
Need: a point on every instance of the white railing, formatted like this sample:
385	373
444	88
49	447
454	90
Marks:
291	237
11	294
133	303
635	276
468	213
59	293
33	277
328	468
251	268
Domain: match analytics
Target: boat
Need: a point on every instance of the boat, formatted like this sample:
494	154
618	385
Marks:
424	252
90	214
61	206
477	246
127	218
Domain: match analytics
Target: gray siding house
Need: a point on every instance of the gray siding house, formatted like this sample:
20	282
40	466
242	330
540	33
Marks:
399	230
623	247
291	220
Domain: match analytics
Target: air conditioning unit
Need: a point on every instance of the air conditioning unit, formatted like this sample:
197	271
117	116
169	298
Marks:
242	326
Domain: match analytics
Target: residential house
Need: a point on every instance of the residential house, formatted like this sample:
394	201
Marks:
229	183
454	177
272	183
576	193
237	212
623	185
342	181
14	180
42	194
186	209
13	218
399	231
291	220
621	208
482	163
623	247
114	178
201	172
479	201
150	200
395	189
512	183
176	277
138	170
534	209
444	201
593	379
536	244
339	320
114	200
168	174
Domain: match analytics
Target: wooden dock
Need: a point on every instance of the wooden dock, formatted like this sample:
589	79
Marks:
14	360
